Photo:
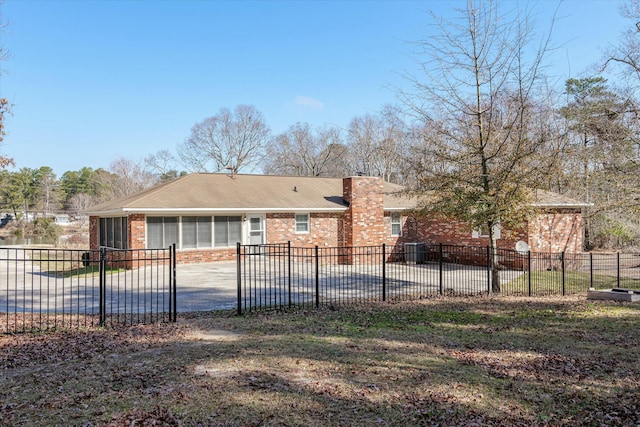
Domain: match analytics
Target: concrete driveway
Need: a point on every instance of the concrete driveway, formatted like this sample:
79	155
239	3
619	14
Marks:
207	286
213	286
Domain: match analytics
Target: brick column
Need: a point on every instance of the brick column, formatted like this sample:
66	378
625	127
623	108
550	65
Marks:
364	221
136	231
94	232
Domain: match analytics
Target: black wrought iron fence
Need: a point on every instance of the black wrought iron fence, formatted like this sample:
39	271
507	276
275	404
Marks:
280	275
43	289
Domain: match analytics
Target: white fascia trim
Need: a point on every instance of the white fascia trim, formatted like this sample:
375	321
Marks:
106	213
561	205
238	210
227	210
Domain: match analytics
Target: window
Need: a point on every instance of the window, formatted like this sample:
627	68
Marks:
396	224
162	231
302	223
113	232
484	232
481	232
196	232
227	231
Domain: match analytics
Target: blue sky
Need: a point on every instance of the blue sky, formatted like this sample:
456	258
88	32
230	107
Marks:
95	80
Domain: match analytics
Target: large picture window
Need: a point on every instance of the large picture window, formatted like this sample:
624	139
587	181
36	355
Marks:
113	232
162	231
194	232
227	230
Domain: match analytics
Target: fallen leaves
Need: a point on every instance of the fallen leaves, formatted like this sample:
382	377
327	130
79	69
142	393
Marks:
463	361
156	417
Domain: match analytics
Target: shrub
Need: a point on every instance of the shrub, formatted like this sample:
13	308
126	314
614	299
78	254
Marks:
45	227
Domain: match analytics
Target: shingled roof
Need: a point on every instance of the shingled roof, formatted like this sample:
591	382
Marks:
242	193
214	192
548	199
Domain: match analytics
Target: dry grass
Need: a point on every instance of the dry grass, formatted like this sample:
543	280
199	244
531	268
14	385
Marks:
445	361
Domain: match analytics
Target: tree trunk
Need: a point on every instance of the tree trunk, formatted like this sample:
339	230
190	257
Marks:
495	277
495	264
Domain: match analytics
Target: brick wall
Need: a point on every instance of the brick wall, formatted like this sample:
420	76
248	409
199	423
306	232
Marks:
192	256
556	231
552	231
447	232
323	229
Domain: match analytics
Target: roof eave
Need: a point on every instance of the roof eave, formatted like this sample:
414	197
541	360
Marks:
561	205
127	211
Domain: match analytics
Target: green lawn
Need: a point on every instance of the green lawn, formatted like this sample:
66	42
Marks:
496	361
66	267
550	282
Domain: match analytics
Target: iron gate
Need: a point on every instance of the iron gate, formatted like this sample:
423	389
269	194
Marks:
44	289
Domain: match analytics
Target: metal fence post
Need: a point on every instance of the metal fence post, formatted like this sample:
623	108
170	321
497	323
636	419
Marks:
175	284
239	277
590	269
317	277
163	251
289	270
563	272
529	270
102	264
489	267
618	269
440	265
384	272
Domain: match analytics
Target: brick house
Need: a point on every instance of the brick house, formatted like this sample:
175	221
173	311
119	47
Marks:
206	214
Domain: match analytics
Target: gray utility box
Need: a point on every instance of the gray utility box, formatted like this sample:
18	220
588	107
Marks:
415	253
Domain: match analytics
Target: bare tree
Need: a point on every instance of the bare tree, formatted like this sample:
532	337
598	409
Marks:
163	165
128	177
303	151
488	144
80	202
5	109
229	140
5	106
626	53
377	144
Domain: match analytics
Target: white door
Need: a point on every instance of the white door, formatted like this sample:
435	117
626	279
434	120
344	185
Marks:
256	230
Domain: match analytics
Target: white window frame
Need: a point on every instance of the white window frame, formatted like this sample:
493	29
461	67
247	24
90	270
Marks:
107	235
229	243
477	234
163	235
199	233
180	223
396	221
307	222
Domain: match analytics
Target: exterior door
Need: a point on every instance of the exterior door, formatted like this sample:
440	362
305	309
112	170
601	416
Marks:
256	230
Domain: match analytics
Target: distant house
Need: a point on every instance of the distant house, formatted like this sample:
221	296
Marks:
62	219
206	214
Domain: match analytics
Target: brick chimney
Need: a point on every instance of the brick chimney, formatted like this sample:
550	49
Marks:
364	221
